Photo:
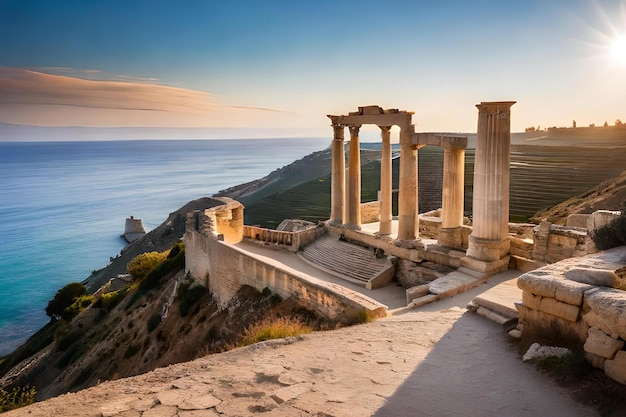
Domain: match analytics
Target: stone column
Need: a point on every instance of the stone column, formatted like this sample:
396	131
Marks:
353	214
452	197
338	177
385	182
407	193
488	242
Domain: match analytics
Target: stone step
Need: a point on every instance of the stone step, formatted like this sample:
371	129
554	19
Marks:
454	283
501	299
348	261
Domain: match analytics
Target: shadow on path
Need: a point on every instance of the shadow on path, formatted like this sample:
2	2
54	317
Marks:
475	371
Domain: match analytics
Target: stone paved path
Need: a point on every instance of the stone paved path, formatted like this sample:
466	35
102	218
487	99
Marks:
428	363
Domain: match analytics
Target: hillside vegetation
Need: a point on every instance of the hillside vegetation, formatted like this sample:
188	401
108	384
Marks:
160	319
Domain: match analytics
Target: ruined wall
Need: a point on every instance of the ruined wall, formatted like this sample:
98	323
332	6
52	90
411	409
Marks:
574	303
292	241
224	268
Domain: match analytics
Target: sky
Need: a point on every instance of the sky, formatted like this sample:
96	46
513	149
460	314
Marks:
287	64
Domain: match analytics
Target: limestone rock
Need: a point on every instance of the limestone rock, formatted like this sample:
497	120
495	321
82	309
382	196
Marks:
595	360
616	368
294	225
530	300
559	309
602	345
599	277
416	292
411	274
610	304
536	352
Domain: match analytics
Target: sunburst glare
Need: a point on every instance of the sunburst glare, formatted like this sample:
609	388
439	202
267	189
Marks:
618	50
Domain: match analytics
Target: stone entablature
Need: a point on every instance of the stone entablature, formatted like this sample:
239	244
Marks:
572	303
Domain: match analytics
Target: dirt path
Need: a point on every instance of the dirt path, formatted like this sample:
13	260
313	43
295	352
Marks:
435	363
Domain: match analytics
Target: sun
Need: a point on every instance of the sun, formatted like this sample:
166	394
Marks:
618	50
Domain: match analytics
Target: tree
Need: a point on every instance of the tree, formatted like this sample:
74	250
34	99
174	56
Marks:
64	298
574	124
618	123
606	124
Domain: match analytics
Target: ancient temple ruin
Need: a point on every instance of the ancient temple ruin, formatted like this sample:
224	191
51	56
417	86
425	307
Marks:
488	250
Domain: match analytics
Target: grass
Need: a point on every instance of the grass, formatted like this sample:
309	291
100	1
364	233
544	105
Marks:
16	398
587	385
274	328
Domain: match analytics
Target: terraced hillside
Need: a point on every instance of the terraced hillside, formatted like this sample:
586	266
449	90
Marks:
541	177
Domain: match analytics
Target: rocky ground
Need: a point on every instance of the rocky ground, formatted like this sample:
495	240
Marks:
429	363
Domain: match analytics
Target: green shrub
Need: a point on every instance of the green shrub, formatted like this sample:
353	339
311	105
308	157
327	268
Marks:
153	322
149	268
16	398
613	234
141	265
109	300
77	306
153	278
64	298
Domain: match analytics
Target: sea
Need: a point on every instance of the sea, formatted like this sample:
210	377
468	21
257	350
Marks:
63	206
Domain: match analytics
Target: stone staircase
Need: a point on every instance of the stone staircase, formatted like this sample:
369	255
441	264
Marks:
348	261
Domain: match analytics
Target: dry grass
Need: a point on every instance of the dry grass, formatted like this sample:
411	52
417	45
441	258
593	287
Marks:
274	328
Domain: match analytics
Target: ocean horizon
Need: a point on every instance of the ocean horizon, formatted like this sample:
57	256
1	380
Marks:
64	205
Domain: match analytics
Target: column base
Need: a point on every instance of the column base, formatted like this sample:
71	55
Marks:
352	226
450	237
487	268
384	228
335	222
487	250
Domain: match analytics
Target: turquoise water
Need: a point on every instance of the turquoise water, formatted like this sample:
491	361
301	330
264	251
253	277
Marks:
63	206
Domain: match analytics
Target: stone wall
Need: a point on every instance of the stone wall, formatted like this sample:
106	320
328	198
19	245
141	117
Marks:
292	241
574	303
224	268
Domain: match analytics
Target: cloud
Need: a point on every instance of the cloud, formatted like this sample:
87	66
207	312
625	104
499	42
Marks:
37	98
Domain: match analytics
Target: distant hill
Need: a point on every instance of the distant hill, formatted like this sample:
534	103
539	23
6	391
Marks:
543	173
609	195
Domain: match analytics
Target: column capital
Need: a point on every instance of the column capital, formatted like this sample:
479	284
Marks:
385	128
354	129
502	108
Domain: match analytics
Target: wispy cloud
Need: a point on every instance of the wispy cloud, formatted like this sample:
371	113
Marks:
70	71
131	78
34	97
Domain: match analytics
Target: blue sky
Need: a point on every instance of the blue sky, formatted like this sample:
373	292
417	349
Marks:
247	64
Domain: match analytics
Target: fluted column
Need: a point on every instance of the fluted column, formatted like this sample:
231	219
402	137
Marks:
488	241
353	220
385	182
338	177
407	193
452	197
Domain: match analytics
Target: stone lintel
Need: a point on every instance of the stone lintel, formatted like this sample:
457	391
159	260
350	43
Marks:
402	119
454	142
